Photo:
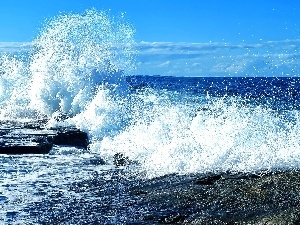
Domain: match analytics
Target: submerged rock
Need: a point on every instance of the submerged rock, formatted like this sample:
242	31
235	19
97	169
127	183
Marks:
33	138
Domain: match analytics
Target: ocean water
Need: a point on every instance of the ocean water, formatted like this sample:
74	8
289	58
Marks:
81	66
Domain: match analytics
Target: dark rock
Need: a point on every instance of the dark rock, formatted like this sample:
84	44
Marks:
121	160
33	138
271	198
97	161
41	147
71	136
171	219
210	180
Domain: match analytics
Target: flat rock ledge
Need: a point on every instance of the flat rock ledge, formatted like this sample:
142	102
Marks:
33	138
204	199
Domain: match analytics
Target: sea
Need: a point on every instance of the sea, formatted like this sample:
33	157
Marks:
81	66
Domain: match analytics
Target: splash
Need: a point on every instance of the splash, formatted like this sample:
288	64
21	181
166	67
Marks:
77	66
207	135
74	55
14	84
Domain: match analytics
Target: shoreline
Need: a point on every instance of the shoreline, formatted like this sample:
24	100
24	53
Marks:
213	198
178	199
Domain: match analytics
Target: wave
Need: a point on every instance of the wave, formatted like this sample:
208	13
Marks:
77	69
207	135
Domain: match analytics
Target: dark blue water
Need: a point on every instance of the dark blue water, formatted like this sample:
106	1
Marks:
282	92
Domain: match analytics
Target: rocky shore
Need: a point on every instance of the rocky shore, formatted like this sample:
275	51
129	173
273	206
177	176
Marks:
33	138
222	199
272	198
116	196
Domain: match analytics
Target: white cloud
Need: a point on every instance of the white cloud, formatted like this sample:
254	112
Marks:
271	58
14	47
164	64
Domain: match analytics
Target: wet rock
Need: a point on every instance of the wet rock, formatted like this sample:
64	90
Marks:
121	160
33	138
36	146
171	219
96	161
210	180
223	199
71	136
272	198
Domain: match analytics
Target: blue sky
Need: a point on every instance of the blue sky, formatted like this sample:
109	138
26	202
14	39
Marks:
183	37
